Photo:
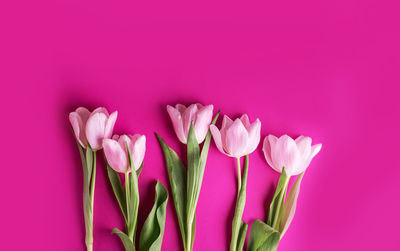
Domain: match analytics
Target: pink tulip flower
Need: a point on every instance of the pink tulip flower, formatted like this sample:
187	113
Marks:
182	117
92	128
294	155
117	154
237	138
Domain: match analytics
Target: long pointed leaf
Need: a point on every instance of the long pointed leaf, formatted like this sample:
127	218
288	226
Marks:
153	229
276	206
289	207
119	192
177	179
125	239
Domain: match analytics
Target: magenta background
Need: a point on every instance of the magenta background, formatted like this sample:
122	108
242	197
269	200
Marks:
326	69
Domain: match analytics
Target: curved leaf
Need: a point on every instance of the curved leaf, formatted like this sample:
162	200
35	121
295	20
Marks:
289	208
263	237
177	179
119	192
125	239
153	228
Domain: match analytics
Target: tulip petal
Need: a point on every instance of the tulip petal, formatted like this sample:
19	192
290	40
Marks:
138	149
95	128
78	128
217	138
254	136
269	143
285	154
83	113
115	155
236	139
101	110
203	121
245	120
177	123
110	125
188	116
226	122
315	149
180	108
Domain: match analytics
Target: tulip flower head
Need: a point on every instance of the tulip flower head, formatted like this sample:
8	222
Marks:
182	116
294	155
237	138
91	128
116	152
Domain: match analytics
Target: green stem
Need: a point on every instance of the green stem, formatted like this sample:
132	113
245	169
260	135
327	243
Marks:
128	204
240	203
276	220
89	202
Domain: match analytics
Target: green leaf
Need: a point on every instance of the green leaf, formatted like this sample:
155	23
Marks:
289	207
119	192
242	235
133	205
139	170
125	239
177	179
193	175
276	206
153	229
263	237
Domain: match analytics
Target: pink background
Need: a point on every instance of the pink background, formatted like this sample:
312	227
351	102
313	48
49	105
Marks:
326	69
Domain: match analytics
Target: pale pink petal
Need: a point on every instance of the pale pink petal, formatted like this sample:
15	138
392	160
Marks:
217	138
254	131
236	139
115	137
289	208
124	141
315	149
95	128
78	127
203	121
83	113
115	155
269	143
226	122
138	150
177	123
188	116
285	154
180	108
304	148
245	120
101	110
110	125
303	145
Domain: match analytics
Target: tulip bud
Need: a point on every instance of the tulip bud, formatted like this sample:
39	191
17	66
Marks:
237	138
182	117
116	153
294	155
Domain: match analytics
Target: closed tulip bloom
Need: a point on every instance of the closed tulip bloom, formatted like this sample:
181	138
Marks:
237	138
78	120
117	154
99	126
182	116
294	155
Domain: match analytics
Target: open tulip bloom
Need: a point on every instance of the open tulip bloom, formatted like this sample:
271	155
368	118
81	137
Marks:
125	154
237	139
191	125
90	128
289	157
